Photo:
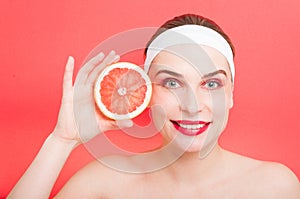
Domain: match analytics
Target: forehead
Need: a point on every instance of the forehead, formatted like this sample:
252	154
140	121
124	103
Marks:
190	58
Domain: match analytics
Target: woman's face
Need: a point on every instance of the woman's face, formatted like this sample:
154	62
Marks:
192	95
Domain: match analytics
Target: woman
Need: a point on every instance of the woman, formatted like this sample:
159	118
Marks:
190	63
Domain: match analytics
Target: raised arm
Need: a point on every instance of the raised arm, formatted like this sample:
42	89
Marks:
39	178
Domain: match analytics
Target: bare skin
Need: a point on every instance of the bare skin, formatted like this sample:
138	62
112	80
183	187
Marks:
221	174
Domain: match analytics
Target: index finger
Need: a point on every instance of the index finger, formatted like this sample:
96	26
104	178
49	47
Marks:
91	64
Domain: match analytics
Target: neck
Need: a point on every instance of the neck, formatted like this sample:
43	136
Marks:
190	166
177	162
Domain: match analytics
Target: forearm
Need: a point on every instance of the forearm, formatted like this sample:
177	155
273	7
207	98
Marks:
38	180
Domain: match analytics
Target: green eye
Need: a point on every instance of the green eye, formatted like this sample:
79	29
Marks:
212	84
171	83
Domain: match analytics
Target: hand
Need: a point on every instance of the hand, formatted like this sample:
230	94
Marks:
79	119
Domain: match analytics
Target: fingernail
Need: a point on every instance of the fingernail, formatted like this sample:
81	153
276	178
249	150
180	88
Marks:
116	58
124	123
70	57
70	62
129	123
101	54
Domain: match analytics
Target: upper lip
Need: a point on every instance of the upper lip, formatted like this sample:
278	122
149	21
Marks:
190	127
189	122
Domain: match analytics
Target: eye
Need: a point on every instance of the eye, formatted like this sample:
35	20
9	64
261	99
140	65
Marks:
171	83
212	84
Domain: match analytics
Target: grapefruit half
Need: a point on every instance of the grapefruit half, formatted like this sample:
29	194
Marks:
122	91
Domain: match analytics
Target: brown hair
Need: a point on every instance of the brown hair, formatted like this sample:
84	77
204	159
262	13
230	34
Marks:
190	19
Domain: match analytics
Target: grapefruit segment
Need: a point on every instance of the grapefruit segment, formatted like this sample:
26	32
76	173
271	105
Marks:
122	91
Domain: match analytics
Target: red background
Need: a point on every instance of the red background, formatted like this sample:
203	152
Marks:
36	38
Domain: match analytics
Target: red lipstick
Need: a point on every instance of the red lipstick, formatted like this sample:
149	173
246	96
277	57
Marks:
190	128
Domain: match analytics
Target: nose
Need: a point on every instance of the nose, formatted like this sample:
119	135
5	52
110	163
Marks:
192	101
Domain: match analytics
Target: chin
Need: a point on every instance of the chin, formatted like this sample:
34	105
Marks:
189	144
194	147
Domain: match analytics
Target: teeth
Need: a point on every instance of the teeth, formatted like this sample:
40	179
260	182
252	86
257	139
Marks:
191	126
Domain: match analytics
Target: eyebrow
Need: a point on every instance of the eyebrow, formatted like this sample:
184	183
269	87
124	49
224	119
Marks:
180	75
215	73
169	72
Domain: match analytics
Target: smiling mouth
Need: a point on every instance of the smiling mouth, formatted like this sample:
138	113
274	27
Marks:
190	128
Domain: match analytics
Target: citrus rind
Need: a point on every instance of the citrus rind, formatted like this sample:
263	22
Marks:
98	98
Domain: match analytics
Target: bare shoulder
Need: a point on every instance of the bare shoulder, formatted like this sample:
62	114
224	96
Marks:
280	181
96	180
266	179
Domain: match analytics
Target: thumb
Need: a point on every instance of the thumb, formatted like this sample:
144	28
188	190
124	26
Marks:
124	123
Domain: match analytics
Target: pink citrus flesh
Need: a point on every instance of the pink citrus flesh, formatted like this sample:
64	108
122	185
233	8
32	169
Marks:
122	91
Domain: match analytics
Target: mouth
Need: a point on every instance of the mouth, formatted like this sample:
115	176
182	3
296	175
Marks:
190	128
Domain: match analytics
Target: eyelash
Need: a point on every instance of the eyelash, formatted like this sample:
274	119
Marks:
204	84
168	81
217	84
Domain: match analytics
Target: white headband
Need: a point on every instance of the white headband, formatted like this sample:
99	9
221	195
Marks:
189	34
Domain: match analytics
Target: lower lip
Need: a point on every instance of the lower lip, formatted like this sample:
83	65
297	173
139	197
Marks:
191	132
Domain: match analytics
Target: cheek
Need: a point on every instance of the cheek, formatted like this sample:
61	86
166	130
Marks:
229	97
219	105
165	99
163	105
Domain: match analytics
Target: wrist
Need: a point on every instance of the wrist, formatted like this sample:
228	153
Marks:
62	142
